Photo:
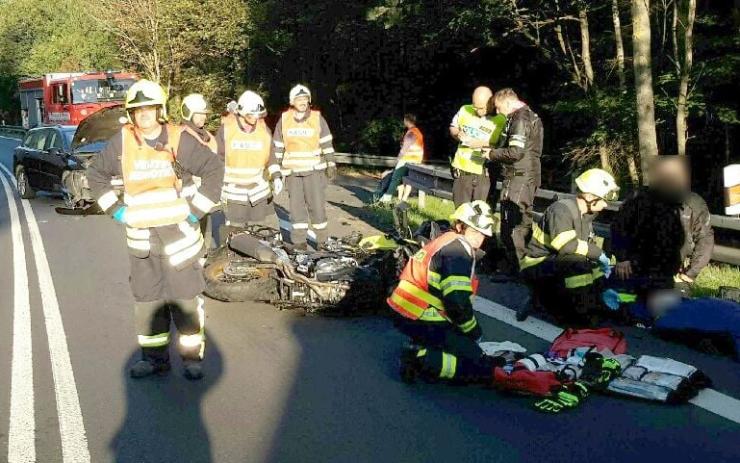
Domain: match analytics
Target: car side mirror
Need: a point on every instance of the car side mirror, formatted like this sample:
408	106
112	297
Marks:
54	151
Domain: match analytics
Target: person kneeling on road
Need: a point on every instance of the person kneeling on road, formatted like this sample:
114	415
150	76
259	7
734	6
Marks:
163	236
563	264
433	302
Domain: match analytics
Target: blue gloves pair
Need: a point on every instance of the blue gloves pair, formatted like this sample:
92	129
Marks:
120	216
605	264
610	298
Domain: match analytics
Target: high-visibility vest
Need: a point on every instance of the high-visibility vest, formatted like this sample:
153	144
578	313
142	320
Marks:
150	185
302	145
415	153
189	191
413	298
247	156
480	128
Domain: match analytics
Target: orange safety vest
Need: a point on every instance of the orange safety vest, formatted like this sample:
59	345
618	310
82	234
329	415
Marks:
150	185
415	153
247	155
302	146
412	297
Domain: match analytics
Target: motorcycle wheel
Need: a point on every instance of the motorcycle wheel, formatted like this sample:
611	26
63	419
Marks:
259	286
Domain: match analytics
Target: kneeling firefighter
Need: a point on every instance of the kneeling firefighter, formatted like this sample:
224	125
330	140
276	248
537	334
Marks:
245	142
164	240
562	263
434	307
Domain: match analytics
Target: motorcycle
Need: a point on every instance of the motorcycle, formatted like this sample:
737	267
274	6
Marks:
348	276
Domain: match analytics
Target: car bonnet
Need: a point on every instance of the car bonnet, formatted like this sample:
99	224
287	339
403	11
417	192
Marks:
98	127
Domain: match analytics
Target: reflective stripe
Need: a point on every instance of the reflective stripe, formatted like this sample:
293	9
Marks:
517	140
273	169
139	245
328	151
151	197
469	325
191	340
155	340
188	253
189	191
562	239
582	248
455	283
320	166
419	293
203	204
300	226
527	261
138	233
108	199
433	278
449	365
191	236
116	181
156	216
326	139
578	281
627	298
320	226
278	144
539	235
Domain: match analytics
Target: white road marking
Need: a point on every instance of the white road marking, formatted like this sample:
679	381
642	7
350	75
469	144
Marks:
71	424
708	399
10	138
22	427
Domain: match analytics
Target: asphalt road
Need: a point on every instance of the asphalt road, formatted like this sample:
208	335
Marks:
279	386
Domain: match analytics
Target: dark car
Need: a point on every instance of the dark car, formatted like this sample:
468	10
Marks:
54	158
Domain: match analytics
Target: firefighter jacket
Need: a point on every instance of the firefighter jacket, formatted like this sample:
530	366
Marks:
412	148
249	160
438	283
663	236
157	214
521	155
561	230
305	145
190	183
487	128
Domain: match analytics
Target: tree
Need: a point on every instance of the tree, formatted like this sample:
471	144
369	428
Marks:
685	75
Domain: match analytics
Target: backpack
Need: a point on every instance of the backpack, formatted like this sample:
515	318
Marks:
597	339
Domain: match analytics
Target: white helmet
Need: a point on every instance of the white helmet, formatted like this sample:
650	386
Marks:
251	104
476	214
194	103
599	183
299	90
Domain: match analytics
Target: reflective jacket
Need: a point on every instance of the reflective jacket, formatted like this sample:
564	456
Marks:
247	157
521	155
487	128
437	284
305	145
412	148
190	183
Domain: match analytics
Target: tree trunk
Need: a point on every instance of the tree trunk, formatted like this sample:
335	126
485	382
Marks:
619	43
648	141
586	47
674	38
682	130
632	169
604	158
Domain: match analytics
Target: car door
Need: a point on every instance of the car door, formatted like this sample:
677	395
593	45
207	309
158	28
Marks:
33	152
53	161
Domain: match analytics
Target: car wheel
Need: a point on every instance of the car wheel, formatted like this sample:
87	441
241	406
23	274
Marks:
24	185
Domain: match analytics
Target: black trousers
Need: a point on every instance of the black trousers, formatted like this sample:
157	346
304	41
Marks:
307	204
517	199
469	187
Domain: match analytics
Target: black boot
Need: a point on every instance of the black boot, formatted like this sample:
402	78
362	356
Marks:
193	370
144	368
410	365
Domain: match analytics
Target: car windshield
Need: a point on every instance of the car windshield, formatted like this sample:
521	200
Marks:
68	136
99	90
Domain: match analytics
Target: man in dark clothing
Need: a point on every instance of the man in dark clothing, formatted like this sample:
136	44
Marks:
520	159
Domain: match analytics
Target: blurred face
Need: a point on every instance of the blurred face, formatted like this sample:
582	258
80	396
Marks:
597	204
251	119
408	124
504	106
670	176
301	104
145	118
199	120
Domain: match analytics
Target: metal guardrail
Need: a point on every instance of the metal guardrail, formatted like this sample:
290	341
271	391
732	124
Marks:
370	160
12	130
437	181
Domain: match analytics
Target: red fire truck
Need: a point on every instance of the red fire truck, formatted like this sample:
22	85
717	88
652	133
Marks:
67	98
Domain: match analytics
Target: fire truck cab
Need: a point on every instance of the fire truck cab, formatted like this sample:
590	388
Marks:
67	98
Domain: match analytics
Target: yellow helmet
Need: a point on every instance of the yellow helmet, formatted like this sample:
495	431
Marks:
476	214
195	103
599	183
146	93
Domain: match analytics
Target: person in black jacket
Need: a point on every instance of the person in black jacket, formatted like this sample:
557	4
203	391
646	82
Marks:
662	234
520	159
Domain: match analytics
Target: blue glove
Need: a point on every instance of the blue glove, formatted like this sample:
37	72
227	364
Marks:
606	266
610	298
120	215
192	218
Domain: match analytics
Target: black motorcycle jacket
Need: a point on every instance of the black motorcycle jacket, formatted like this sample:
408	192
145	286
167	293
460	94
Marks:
523	148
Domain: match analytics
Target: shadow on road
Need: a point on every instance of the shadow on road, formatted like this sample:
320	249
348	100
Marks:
163	414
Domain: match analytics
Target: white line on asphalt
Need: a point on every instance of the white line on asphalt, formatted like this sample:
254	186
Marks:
22	427
71	424
708	399
10	138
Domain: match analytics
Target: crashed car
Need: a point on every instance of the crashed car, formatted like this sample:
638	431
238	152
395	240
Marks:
348	276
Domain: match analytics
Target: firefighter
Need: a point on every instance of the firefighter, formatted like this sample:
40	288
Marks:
195	111
162	232
662	235
412	152
474	128
563	264
433	301
521	169
304	148
252	173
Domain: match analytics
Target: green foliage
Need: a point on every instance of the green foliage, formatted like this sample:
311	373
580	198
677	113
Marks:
381	136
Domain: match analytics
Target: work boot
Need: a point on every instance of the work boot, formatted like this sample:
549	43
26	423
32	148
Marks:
410	365
144	368
193	370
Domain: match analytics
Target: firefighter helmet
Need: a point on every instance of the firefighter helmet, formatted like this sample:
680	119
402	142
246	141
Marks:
251	104
476	214
599	183
194	103
298	91
146	93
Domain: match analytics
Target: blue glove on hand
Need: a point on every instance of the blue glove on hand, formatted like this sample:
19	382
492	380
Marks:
605	265
120	215
610	298
192	218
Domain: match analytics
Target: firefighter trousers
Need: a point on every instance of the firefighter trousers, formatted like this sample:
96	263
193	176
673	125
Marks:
517	199
469	187
445	353
165	295
307	203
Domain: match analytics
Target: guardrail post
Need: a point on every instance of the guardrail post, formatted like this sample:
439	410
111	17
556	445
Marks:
422	199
